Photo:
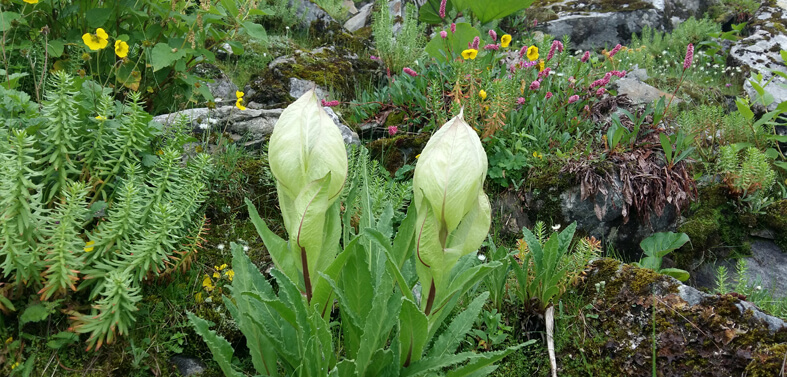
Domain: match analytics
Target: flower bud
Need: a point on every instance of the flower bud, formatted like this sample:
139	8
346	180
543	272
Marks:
308	158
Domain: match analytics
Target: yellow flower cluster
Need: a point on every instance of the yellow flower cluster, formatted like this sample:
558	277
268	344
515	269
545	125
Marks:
89	246
31	1
482	94
239	102
100	40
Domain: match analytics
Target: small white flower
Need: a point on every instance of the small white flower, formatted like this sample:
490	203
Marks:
556	227
245	248
759	288
481	257
204	126
220	246
208	299
287	27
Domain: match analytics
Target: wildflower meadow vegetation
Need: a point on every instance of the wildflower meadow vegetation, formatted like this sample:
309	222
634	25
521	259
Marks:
271	188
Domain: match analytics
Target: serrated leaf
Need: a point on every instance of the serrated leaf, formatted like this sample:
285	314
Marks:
450	339
220	348
35	313
413	332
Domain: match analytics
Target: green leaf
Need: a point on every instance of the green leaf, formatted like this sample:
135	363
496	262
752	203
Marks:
277	247
480	365
162	55
97	17
661	244
35	313
413	332
487	11
62	339
677	273
783	53
255	31
667	146
6	19
220	348
55	48
430	12
231	7
448	341
451	47
744	109
237	47
4	301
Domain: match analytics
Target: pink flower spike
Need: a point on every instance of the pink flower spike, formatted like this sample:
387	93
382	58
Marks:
491	47
548	95
585	57
443	34
512	68
535	85
556	45
476	42
373	57
573	98
410	71
522	51
689	56
535	22
544	73
493	35
392	130
615	50
453	28
330	103
442	9
520	101
600	92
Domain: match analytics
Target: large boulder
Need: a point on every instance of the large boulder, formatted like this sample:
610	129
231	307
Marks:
766	270
253	126
760	51
598	23
629	311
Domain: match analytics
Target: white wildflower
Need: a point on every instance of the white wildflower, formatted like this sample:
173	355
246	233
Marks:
481	257
220	246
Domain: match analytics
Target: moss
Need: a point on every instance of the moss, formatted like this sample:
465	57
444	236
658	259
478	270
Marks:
767	359
544	186
395	152
775	218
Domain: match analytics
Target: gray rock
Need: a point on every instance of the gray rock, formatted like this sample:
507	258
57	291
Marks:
678	11
223	90
224	51
396	9
767	268
187	365
312	12
640	92
360	20
509	208
349	136
299	86
759	52
602	217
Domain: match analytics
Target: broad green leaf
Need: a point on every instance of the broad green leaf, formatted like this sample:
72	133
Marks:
413	332
379	322
666	145
255	31
744	109
6	19
322	295
783	53
430	12
62	339
232	7
277	247
55	48
97	17
237	47
451	47
677	273
35	313
220	348
404	242
487	11
661	244
162	55
4	301
481	365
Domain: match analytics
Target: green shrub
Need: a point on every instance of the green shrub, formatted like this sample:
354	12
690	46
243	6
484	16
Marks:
398	51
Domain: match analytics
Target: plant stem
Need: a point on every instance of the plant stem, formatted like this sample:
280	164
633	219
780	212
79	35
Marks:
307	282
430	299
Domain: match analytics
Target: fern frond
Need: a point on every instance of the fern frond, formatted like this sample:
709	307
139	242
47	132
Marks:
61	133
64	248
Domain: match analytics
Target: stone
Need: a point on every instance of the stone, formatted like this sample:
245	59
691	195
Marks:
508	207
767	268
360	20
349	136
187	365
639	92
760	51
312	12
298	87
396	9
223	90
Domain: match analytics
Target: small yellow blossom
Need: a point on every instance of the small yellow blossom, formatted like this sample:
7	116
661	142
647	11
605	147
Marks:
207	283
89	246
31	1
538	155
96	41
101	117
482	94
198	297
418	155
239	102
219	268
505	40
469	54
121	49
230	274
532	53
9	340
541	65
216	275
14	365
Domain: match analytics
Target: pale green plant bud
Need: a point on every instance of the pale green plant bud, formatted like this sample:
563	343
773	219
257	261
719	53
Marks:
308	158
454	214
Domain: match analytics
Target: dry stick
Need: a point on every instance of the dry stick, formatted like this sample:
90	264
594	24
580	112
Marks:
550	322
784	363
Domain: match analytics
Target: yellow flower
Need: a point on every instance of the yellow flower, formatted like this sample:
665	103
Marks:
31	1
538	155
101	117
121	49
532	53
482	94
216	275
96	41
89	246
540	65
469	54
198	297
418	155
239	102
219	268
14	365
230	274
9	340
207	283
505	40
